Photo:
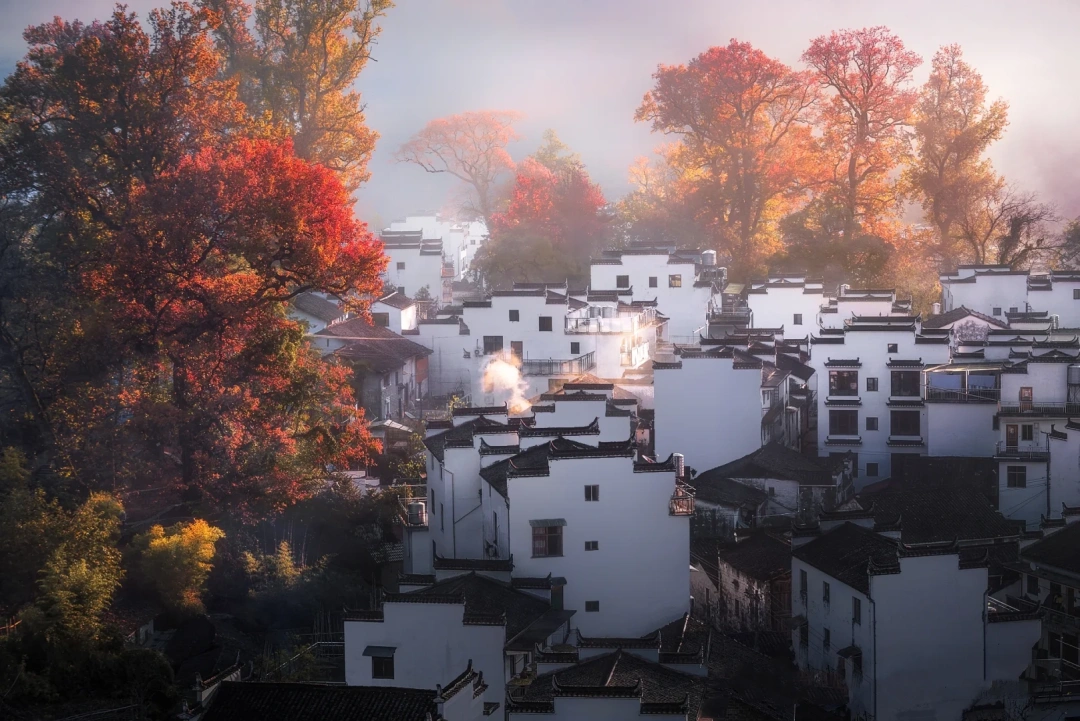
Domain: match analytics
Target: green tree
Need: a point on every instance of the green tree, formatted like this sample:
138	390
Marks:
177	561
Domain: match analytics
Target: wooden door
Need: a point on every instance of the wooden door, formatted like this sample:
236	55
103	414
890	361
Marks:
517	349
1012	435
1026	397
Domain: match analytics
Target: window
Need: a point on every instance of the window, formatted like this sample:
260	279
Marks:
652	281
826	640
871	423
1027	432
592	493
400	266
872	470
592	606
1076	293
515	316
1016	477
382	320
802	583
804	635
825	591
905	423
871	384
382	666
798	319
1033	585
892	348
1069	648
547	541
575	348
545	322
493	344
442	516
674	281
622	281
997	311
856	610
1012	309
843	383
517	349
905	383
592	545
843	423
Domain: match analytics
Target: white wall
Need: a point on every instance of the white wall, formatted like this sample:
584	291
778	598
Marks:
708	411
640	574
433	647
929	637
422	268
961	429
1026	504
1064	471
1008	648
777	306
989	291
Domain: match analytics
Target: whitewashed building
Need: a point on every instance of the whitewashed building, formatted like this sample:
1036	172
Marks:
905	628
870	400
997	291
415	262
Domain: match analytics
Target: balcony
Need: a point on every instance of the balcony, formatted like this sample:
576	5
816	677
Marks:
1026	451
1061	618
635	356
1058	409
682	500
614	325
730	314
956	395
552	367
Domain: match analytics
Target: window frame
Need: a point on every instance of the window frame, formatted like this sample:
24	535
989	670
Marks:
652	281
996	310
796	319
872	423
401	265
380	320
1027	432
839	378
592	607
490	344
1016	476
900	429
575	347
856	610
901	384
545	320
545	534
515	315
674	280
592	493
825	592
892	348
872	470
872	381
382	674
847	428
622	281
592	545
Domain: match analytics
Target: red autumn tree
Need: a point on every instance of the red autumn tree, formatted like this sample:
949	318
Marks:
864	123
554	221
168	244
743	123
471	147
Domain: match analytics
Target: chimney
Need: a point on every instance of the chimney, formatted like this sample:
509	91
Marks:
936	309
680	465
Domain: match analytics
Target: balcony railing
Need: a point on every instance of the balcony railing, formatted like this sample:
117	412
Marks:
1041	408
552	367
682	500
1022	451
616	324
730	315
1060	617
956	395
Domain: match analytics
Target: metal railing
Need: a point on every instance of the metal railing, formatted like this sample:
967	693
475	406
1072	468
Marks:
1052	408
729	314
1027	449
956	395
552	367
615	324
682	500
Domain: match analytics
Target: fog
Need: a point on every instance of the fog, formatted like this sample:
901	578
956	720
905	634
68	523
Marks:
582	66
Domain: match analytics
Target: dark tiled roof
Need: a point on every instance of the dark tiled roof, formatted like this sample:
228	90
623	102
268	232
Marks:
316	307
618	673
777	461
397	300
845	553
534	461
379	347
722	490
951	316
935	510
1061	549
487	597
237	701
438	442
705	551
795	367
761	556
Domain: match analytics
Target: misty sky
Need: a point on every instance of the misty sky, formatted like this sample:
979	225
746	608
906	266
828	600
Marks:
582	66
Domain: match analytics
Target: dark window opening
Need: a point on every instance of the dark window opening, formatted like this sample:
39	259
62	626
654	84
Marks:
493	344
905	423
592	606
547	541
892	348
674	281
592	493
856	610
652	281
401	266
622	281
1027	432
798	319
592	545
843	423
382	666
997	311
871	423
575	348
905	383
382	320
515	315
843	383
872	470
871	384
1016	477
545	322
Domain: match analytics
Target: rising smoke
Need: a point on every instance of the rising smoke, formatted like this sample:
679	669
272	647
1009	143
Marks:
503	375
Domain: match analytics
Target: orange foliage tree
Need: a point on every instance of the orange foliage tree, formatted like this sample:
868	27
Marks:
471	147
167	244
864	124
743	119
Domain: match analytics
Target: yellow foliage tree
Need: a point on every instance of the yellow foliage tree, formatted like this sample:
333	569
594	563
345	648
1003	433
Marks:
177	561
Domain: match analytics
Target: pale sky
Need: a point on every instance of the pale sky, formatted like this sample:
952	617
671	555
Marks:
582	66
